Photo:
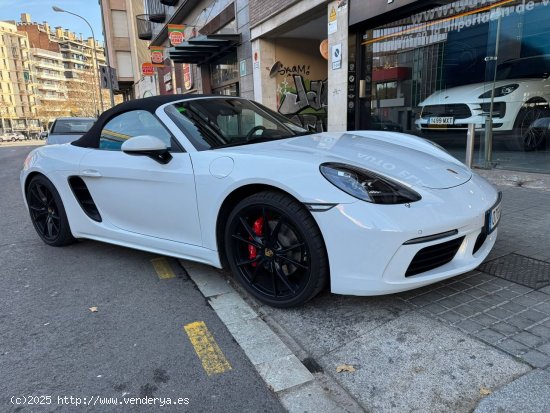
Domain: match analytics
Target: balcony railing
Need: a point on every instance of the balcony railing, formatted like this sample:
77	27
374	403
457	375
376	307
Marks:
144	27
156	11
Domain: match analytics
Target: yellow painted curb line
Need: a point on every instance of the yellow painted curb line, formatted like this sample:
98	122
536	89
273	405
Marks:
163	269
210	354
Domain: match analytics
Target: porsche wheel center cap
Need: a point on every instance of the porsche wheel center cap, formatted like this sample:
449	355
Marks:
268	253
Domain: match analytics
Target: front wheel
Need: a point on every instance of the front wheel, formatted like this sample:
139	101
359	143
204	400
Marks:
526	137
276	250
47	212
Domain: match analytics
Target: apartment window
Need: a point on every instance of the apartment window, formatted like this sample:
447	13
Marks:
124	64
120	23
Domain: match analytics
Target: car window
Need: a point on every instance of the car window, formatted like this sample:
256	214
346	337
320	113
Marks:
218	122
131	124
72	126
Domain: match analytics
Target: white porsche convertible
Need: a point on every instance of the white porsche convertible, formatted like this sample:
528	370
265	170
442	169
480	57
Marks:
227	182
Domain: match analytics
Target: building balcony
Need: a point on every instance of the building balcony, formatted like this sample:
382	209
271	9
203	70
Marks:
57	88
144	27
56	98
46	65
156	11
43	75
46	53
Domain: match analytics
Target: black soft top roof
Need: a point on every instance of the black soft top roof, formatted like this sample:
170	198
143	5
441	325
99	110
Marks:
91	138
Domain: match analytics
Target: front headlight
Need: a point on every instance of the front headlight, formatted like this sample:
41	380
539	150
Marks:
366	185
500	91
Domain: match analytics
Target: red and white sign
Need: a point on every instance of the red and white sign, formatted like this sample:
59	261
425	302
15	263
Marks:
147	69
187	76
176	38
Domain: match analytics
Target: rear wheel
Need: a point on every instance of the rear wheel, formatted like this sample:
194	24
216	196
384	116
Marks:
276	250
47	212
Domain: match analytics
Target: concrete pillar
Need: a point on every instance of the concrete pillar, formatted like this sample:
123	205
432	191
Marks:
263	59
337	78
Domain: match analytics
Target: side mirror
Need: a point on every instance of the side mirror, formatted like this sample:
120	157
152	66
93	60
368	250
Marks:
146	145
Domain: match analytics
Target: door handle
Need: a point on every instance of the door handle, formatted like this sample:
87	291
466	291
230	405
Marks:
90	173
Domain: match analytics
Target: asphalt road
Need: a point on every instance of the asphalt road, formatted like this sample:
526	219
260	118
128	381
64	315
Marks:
134	346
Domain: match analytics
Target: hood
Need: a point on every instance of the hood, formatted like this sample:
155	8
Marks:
471	93
408	159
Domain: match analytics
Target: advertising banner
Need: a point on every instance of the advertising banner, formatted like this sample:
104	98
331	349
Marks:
176	34
147	69
157	56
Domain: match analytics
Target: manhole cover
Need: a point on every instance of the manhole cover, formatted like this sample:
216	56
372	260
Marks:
519	269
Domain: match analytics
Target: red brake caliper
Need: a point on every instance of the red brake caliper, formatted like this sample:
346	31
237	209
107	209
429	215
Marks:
258	230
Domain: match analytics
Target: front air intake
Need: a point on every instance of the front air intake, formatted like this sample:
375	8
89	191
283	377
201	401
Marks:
434	256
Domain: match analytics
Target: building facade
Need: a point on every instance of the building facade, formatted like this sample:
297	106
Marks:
17	93
126	51
64	71
215	55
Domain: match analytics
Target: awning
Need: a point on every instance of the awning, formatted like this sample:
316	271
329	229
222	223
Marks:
203	48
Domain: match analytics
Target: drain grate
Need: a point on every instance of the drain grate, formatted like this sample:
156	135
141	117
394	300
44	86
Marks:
519	269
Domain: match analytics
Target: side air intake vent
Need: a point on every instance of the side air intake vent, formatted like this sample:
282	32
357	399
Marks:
82	195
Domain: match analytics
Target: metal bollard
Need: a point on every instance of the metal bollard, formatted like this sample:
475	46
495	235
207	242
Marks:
470	144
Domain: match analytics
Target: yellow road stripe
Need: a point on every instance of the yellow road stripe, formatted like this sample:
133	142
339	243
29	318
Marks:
163	269
210	354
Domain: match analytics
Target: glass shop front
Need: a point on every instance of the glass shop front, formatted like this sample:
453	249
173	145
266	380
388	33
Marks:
435	71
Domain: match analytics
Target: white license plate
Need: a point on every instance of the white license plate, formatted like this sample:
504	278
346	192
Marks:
441	120
492	216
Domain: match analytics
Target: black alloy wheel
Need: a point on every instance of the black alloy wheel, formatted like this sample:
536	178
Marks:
276	250
47	212
529	138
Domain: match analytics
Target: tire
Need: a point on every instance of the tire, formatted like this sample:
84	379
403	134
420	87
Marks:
525	138
285	268
13	139
47	212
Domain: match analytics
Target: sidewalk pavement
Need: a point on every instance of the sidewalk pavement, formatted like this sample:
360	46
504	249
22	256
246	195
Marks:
477	342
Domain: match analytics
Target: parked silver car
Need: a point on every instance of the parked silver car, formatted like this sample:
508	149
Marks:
12	137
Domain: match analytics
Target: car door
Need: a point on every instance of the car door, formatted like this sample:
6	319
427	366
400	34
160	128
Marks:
137	193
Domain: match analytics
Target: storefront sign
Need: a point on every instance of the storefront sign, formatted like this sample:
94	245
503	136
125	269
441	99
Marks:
332	21
157	56
147	69
187	76
176	34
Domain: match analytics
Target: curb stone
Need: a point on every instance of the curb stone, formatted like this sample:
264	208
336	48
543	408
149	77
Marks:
297	388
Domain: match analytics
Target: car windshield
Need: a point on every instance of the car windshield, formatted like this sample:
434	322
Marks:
526	68
72	126
212	123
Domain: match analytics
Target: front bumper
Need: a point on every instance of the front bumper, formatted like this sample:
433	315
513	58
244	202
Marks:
365	242
504	116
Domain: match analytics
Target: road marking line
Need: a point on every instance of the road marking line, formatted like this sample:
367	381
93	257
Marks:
210	354
163	269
